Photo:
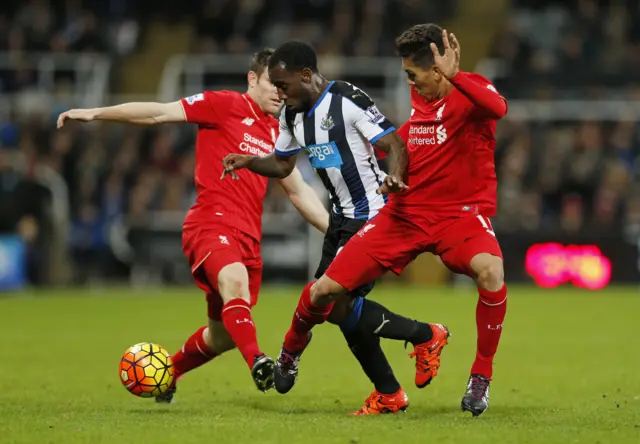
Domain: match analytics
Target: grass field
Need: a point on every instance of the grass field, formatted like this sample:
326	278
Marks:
567	372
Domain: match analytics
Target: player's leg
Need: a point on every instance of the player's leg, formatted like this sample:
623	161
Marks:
363	259
217	259
428	340
395	242
480	257
358	263
346	313
263	366
364	345
233	287
388	397
205	344
365	348
315	304
491	310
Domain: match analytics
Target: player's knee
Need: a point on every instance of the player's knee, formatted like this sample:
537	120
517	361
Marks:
233	282
326	290
489	271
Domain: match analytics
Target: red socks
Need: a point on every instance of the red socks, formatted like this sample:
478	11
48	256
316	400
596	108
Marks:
236	317
194	353
306	316
490	314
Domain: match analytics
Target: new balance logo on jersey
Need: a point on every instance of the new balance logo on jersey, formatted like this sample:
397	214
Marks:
364	229
492	88
248	121
440	112
224	240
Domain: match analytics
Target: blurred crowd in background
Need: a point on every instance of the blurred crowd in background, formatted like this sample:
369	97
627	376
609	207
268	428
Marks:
569	175
556	175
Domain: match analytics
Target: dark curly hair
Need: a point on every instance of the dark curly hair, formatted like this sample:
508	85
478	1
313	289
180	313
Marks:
260	60
415	43
295	56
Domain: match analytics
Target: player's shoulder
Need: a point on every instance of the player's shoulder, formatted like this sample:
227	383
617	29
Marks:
222	95
226	95
352	93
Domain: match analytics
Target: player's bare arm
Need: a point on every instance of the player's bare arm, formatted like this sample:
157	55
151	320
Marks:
306	201
483	96
273	165
137	113
396	150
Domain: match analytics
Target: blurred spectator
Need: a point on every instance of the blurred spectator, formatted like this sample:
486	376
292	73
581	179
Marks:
24	211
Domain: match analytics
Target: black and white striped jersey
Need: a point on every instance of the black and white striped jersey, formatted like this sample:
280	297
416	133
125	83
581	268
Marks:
337	135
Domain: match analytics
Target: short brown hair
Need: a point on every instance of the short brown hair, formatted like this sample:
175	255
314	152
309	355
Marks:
415	43
260	60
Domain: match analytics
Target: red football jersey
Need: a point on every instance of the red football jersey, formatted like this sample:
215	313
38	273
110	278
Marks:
228	122
451	152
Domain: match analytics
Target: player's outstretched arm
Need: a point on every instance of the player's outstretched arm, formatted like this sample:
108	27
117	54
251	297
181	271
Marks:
398	159
306	201
273	165
137	113
482	95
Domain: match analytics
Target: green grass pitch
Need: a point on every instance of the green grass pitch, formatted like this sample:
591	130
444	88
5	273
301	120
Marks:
567	372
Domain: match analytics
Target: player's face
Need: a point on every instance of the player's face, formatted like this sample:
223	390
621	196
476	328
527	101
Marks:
265	93
293	88
425	80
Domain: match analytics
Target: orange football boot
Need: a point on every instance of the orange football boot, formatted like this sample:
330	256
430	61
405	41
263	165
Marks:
378	403
427	355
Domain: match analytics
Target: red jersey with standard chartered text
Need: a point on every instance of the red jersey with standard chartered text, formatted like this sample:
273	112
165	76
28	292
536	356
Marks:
228	122
451	147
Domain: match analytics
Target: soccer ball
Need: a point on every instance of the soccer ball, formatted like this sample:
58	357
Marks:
146	370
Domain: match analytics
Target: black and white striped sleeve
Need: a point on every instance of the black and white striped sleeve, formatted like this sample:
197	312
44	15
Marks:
364	115
286	144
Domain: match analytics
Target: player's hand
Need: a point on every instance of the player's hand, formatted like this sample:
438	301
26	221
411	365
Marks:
449	62
391	184
233	162
83	115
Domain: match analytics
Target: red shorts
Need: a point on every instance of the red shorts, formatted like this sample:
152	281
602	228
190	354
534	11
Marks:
209	250
388	242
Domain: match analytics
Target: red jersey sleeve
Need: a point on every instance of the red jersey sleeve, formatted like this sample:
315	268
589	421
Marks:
207	108
482	94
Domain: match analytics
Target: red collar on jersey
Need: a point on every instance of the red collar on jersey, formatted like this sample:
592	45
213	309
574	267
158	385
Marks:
257	111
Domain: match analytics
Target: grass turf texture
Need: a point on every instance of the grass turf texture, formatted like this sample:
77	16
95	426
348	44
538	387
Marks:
567	372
